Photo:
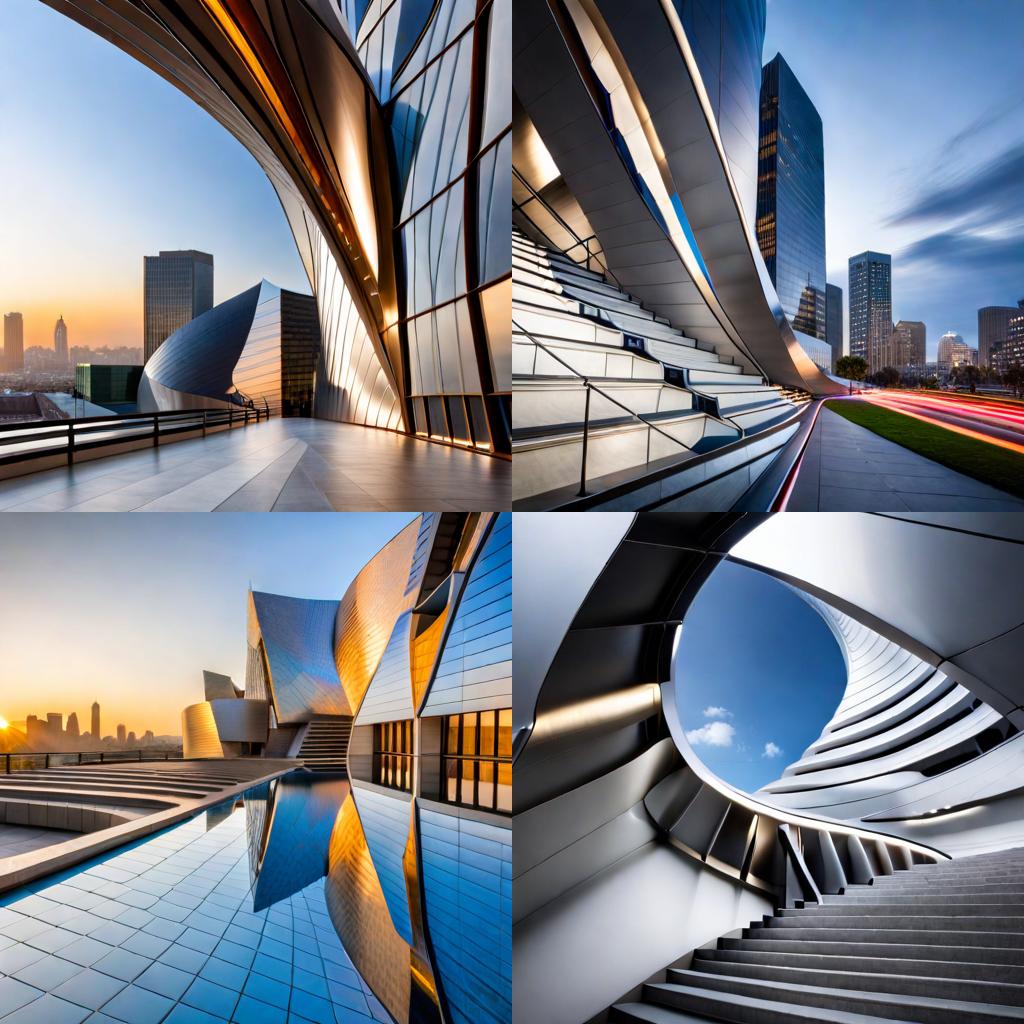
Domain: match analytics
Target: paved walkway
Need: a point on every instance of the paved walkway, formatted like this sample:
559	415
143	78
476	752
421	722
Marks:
15	839
284	465
847	468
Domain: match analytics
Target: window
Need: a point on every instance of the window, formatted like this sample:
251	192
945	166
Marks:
392	754
476	760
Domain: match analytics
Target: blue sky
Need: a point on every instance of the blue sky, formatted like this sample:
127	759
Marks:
760	675
129	609
104	162
922	103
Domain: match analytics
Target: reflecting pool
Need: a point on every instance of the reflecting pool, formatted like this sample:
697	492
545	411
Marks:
305	900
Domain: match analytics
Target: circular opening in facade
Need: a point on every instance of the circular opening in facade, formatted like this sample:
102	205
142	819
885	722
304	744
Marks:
759	673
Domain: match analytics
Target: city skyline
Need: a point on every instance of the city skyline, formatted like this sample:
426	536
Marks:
137	639
939	190
86	263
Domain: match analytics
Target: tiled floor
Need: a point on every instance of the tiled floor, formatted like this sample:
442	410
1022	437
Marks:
284	465
164	931
847	468
15	839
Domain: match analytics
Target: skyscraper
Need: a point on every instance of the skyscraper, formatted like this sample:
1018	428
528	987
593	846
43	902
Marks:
834	320
907	351
953	351
60	339
120	733
791	199
870	306
72	727
993	325
177	286
14	342
96	721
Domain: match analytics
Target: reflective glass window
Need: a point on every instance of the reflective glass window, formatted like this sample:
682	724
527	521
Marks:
477	760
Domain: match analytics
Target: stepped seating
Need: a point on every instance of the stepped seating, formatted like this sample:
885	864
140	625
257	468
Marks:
325	745
941	944
591	328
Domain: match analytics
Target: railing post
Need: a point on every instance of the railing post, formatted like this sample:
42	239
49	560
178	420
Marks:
204	423
47	762
156	431
79	757
102	755
231	418
246	423
71	442
586	433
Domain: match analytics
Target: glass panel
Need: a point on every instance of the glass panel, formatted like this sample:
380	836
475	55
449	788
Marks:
505	732
452	781
487	733
481	435
466	792
504	787
452	740
485	796
468	735
459	419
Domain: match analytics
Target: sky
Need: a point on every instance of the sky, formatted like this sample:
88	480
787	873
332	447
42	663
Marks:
745	626
922	104
103	163
128	610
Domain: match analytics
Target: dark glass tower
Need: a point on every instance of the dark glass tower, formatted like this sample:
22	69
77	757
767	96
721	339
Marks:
14	341
834	320
791	197
870	306
178	287
993	327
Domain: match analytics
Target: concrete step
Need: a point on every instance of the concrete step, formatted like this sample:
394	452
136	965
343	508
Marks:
843	931
918	908
968	899
890	1005
968	956
883	981
739	1008
824	918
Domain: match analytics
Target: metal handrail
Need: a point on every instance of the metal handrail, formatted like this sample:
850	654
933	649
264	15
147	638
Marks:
590	386
53	437
584	242
104	757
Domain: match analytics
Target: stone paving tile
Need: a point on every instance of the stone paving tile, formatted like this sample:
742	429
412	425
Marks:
224	961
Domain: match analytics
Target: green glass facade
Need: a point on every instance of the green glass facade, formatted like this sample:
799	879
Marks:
106	384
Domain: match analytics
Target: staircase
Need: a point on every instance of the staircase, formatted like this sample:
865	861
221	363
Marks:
570	323
936	944
325	745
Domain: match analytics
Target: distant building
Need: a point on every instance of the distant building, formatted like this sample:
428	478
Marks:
130	740
177	287
34	731
791	201
907	348
953	352
60	340
72	731
993	325
870	306
121	734
148	737
108	385
834	321
1011	351
55	724
96	720
14	342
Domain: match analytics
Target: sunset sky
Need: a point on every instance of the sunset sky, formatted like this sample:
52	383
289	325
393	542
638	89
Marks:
128	610
104	163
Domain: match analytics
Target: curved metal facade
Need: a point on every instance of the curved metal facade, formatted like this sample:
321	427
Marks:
400	220
293	639
654	136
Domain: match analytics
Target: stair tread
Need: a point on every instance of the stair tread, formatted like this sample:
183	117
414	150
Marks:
665	1015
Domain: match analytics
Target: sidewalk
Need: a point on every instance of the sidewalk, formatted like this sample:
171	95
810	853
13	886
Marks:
847	468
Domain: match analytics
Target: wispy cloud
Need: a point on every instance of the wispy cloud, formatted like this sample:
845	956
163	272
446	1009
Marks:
990	195
965	250
714	711
771	750
714	734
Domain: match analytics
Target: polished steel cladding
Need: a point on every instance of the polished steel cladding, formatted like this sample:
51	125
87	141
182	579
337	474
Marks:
385	128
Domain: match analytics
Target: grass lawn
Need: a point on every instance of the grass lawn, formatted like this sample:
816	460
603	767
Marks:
985	462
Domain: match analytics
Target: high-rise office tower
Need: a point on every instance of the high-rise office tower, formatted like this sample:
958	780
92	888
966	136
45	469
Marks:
791	201
120	733
72	727
993	326
54	726
60	339
870	306
834	320
907	349
96	720
177	287
953	351
14	342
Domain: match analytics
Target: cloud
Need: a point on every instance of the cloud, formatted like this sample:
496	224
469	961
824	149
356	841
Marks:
714	734
965	250
989	195
713	711
771	750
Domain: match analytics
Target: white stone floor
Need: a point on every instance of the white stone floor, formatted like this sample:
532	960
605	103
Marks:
284	465
15	839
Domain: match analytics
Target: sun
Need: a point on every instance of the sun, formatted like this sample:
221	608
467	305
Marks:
3	722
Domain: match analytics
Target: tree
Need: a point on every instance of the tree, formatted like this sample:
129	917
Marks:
1014	378
965	373
852	367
